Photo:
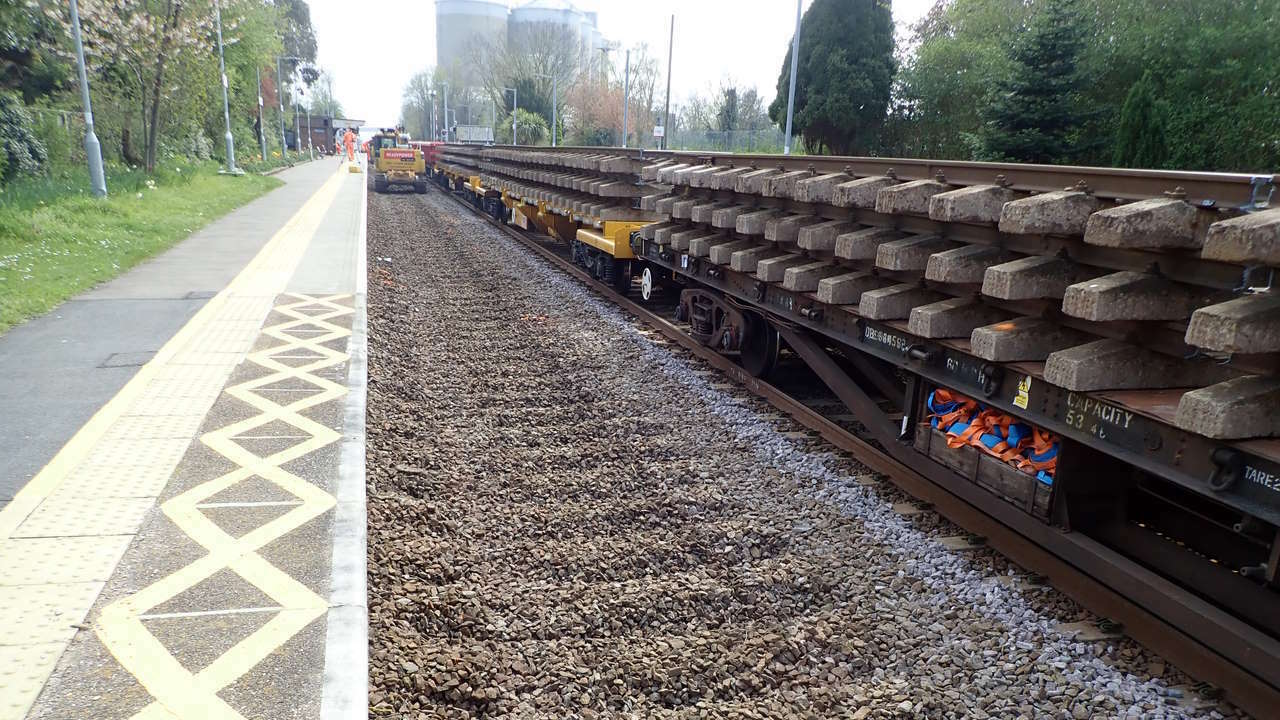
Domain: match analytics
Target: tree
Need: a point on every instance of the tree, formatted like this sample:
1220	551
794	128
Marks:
415	104
30	60
22	151
1140	140
322	100
844	75
531	127
143	39
1038	113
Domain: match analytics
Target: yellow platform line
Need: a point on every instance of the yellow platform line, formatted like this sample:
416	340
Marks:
179	693
119	446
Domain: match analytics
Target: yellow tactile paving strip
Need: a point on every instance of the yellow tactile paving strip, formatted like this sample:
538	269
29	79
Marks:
90	500
178	692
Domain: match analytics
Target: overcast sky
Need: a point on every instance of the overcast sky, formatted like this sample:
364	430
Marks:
370	66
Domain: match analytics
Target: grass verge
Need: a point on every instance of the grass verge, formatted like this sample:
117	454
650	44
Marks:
57	240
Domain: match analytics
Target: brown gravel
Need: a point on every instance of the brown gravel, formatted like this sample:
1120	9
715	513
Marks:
557	529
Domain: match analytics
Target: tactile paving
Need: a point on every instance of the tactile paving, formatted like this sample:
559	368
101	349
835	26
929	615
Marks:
35	561
115	481
68	516
153	406
23	671
143	427
33	614
137	452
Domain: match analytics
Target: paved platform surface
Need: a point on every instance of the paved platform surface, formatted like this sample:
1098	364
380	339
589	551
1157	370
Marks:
183	465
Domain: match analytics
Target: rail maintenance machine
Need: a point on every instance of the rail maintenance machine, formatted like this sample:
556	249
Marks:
394	160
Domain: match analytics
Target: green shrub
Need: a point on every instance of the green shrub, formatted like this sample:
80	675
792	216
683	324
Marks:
24	153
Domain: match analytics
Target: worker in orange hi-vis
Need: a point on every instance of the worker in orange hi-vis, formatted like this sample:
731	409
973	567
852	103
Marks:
349	139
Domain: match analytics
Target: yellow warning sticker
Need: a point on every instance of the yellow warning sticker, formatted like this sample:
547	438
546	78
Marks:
1024	392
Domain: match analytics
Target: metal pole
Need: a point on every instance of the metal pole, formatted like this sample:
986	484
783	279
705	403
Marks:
310	149
262	129
791	89
284	144
666	113
435	133
92	148
226	101
297	129
555	84
446	111
493	117
515	105
626	95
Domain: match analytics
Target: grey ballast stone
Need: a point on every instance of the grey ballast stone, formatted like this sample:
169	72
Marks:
1063	212
1031	278
862	244
894	302
805	278
911	253
1129	295
1247	324
860	193
1154	223
973	204
1022	339
847	289
774	269
909	197
1115	365
1252	239
967	264
952	318
1244	407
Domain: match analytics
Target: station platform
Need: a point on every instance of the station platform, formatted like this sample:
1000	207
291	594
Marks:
182	476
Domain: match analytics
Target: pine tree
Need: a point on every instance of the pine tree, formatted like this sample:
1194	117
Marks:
1038	113
1140	139
844	75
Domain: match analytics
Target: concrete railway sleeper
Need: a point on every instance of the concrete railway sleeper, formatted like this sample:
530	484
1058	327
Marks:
1188	571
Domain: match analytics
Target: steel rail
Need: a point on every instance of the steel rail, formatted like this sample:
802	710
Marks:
1043	555
1207	189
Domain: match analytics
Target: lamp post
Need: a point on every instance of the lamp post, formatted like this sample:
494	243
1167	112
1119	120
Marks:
262	130
666	113
626	95
92	148
435	132
284	143
555	83
515	104
791	89
226	101
446	111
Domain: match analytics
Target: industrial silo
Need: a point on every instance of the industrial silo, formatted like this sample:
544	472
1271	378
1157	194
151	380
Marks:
461	27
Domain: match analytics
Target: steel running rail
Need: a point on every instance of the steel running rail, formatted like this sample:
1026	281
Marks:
1041	555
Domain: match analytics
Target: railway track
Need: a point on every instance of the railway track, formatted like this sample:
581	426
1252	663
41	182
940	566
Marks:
1177	621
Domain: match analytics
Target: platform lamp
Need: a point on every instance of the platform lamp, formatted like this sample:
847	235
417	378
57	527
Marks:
92	148
226	98
514	106
284	143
